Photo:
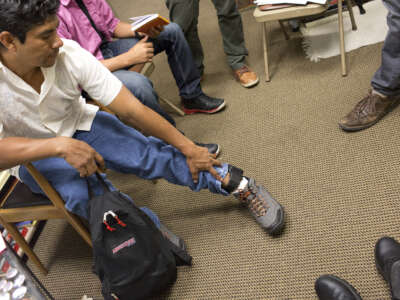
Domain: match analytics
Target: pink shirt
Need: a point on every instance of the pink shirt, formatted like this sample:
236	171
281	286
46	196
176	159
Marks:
74	24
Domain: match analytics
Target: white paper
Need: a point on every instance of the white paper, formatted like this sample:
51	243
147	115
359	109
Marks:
137	22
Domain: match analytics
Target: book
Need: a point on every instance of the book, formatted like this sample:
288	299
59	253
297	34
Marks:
146	22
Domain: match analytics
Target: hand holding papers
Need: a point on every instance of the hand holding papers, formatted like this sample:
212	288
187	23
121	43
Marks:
147	22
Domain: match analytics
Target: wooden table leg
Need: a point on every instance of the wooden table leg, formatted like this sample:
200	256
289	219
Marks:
341	36
265	44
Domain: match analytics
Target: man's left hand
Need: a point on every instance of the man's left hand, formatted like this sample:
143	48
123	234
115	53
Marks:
199	159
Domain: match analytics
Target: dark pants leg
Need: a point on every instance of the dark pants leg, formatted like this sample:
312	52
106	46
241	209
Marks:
386	80
185	13
180	59
230	24
140	86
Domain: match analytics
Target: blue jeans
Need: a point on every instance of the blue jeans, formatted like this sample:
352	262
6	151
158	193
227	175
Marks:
386	79
180	60
125	150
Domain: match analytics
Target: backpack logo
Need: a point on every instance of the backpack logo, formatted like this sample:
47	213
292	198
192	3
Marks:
125	244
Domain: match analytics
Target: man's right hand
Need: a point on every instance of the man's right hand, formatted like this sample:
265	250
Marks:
142	52
80	155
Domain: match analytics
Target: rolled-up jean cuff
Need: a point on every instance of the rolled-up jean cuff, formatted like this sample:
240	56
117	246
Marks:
222	171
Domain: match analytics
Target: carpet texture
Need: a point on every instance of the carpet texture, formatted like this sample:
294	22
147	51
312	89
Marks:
321	37
340	191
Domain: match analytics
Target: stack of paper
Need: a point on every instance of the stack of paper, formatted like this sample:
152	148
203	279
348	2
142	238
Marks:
297	2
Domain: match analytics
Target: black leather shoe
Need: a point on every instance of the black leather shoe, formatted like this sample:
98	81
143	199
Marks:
387	259
330	287
202	104
212	148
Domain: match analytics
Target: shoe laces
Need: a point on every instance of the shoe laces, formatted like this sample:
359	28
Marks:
242	70
254	201
366	106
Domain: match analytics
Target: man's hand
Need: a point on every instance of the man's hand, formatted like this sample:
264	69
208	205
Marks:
199	159
142	52
155	31
80	155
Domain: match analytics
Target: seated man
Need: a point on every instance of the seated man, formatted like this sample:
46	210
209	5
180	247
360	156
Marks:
130	49
186	14
44	119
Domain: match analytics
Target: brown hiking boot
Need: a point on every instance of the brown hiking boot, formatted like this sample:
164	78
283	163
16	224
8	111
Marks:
368	111
246	77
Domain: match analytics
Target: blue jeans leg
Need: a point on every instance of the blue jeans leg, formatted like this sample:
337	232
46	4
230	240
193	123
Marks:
180	59
124	150
140	86
386	80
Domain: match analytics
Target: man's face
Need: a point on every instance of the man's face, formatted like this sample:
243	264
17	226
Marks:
41	44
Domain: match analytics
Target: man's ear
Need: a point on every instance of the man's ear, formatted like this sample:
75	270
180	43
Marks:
7	40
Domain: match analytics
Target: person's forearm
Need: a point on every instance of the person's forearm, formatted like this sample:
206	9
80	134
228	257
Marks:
120	62
134	113
123	30
17	150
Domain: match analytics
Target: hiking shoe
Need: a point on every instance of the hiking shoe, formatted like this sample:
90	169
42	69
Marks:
368	111
246	77
176	240
212	148
266	210
202	104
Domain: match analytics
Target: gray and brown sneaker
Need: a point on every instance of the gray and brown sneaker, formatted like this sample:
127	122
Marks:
265	209
368	111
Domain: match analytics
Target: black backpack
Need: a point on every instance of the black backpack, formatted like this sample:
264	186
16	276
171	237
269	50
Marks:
131	257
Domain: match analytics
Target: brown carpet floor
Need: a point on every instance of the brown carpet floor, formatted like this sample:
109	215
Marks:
340	190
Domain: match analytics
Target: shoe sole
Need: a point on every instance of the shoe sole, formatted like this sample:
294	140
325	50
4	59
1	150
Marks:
351	288
189	111
359	128
278	227
249	85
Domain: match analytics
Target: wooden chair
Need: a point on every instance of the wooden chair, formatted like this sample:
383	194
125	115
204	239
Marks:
296	12
20	204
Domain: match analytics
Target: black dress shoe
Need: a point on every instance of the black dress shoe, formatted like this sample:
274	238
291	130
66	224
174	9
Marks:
330	287
212	148
202	104
387	259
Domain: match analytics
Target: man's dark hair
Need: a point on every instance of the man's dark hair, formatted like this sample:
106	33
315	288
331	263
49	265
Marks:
20	16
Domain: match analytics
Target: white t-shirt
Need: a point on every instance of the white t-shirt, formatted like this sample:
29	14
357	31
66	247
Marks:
59	109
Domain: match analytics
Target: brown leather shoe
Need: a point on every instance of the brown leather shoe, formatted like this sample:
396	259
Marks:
368	111
246	77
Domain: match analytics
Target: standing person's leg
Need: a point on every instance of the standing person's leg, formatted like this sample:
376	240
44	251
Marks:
230	24
185	13
136	83
150	158
385	82
186	75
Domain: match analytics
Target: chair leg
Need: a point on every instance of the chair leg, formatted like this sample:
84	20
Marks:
287	37
349	5
78	226
20	240
341	36
173	106
265	42
55	198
